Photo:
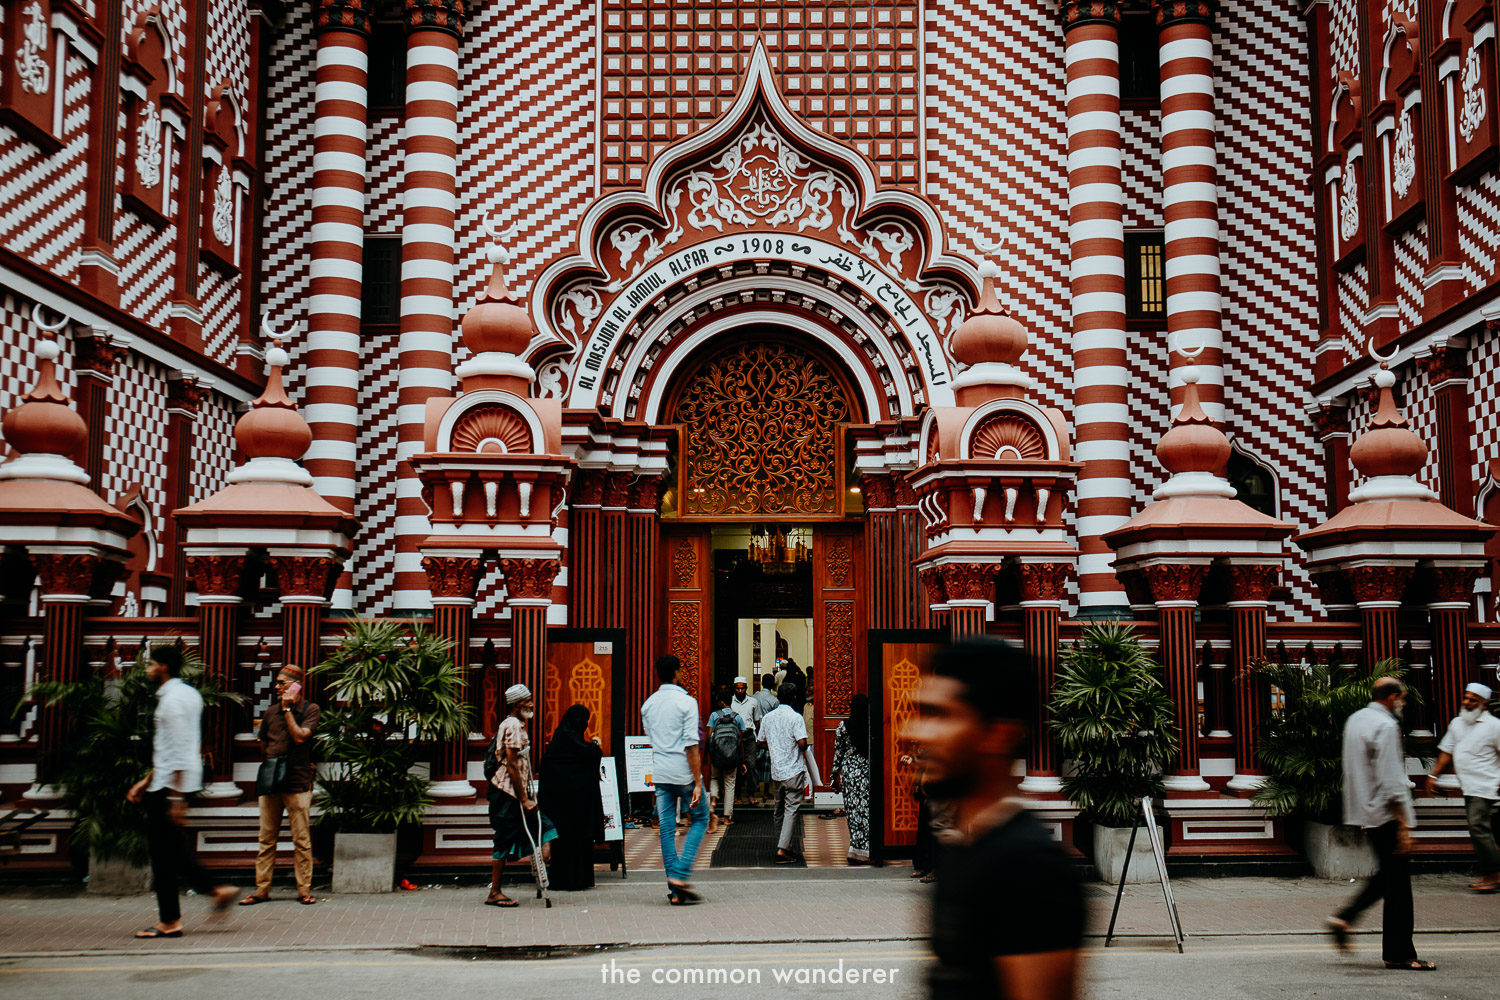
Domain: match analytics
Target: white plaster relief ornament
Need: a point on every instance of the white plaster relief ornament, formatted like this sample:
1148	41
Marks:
1348	203
148	146
1404	158
31	59
1471	115
223	220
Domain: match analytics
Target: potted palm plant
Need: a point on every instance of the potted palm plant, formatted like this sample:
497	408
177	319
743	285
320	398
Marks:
394	687
110	750
1114	724
1301	750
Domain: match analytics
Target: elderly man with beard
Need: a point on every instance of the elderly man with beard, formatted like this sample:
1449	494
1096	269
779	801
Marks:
1472	745
1007	916
1377	798
510	794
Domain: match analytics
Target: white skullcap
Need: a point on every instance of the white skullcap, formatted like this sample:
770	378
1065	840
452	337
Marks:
1480	689
516	692
741	680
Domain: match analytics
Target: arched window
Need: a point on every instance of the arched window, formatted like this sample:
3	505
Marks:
1254	483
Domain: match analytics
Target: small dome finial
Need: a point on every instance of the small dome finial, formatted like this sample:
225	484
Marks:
43	429
990	334
497	328
1388	448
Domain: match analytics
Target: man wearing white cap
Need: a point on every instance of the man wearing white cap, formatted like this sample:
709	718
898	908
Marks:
1472	743
510	796
747	707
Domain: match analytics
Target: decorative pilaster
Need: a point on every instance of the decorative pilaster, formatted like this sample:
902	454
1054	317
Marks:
1175	588
1331	425
305	583
1250	588
639	577
65	579
95	361
528	586
428	241
971	589
1452	591
587	550
1377	592
1096	236
452	581
220	583
336	254
1044	586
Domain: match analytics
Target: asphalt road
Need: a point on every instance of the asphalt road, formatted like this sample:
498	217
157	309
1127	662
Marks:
1218	968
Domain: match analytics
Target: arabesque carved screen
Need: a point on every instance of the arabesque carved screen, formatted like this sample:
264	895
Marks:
760	434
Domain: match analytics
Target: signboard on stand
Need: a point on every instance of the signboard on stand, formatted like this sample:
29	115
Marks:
609	794
638	764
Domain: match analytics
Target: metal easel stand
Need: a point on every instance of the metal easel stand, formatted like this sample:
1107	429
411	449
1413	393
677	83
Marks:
1161	866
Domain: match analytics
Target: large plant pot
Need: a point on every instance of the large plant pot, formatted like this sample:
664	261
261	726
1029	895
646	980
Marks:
1110	843
364	862
1340	852
118	877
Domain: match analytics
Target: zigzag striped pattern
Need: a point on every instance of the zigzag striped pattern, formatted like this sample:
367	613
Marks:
1479	227
1484	362
1269	253
136	435
42	196
1411	263
527	72
383	182
228	52
213	446
1353	301
1141	175
374	560
1344	25
999	176
289	158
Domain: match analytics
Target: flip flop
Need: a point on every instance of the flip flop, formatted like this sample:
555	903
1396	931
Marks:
1415	965
254	899
156	932
307	900
504	902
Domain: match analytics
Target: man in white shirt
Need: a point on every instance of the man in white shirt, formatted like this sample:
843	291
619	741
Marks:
783	732
671	720
1472	745
176	772
747	707
1377	798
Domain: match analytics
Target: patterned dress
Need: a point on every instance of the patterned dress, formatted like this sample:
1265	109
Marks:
854	781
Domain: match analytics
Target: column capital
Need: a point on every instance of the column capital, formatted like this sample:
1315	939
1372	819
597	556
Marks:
932	583
1252	583
306	577
65	575
1175	584
879	492
529	579
1451	585
1044	581
451	579
969	583
1076	13
435	15
342	15
644	496
218	577
1169	12
1445	364
1378	586
617	490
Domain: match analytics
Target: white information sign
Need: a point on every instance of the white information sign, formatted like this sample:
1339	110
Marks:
638	764
609	792
629	305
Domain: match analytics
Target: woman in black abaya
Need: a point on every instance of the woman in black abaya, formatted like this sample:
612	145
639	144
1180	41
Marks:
569	795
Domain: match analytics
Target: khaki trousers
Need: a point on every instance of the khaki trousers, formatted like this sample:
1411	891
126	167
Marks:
295	804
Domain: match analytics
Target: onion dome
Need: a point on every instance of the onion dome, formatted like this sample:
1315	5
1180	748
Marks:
44	429
497	330
1193	450
273	435
989	344
1389	453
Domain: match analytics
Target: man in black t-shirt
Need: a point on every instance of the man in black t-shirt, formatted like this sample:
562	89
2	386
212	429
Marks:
1007	919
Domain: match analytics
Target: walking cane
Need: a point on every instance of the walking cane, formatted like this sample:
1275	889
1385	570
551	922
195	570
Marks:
538	866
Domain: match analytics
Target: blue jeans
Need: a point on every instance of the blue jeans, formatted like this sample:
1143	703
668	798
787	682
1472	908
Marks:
679	866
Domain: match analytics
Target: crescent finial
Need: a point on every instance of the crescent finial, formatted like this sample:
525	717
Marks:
1383	360
36	317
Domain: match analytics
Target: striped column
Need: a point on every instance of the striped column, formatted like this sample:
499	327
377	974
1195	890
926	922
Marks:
1044	587
1096	237
428	209
218	580
65	579
1250	588
1190	197
640	581
528	595
303	582
1175	588
970	589
1378	591
452	581
331	396
1452	592
586	551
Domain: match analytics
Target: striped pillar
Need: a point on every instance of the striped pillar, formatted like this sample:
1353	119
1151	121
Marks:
1043	589
528	590
882	524
452	581
219	582
1096	237
303	583
428	209
1250	588
639	580
1190	197
970	589
586	551
1175	588
1377	593
335	268
65	580
1453	589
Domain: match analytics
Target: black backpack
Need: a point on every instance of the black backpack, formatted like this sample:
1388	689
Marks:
724	742
491	761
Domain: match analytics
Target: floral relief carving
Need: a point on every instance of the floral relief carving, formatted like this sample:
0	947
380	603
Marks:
1472	113
969	581
1374	584
1174	582
838	562
880	493
223	214
304	576
1404	157
217	576
683	622
529	579
1253	581
760	421
684	563
932	583
1045	581
31	57
65	574
451	576
1348	202
902	711
838	655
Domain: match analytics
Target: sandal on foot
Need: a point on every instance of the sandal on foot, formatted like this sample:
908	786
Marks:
1339	931
1415	965
307	899
157	932
504	902
254	898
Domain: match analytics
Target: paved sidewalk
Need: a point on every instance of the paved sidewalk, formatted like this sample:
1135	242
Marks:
745	906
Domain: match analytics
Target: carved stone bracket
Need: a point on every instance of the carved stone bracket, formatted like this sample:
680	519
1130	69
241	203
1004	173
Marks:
451	576
1371	584
1174	581
1253	581
905	495
1446	364
1330	421
617	489
969	581
932	583
529	579
1045	581
304	576
645	493
1451	584
879	491
66	574
97	355
218	576
588	489
1333	588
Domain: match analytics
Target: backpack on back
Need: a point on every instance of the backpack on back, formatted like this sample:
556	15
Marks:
491	761
724	741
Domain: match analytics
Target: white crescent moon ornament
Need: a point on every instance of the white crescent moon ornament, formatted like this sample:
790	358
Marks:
36	317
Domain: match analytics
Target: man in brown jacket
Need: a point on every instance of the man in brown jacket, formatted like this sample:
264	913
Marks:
287	730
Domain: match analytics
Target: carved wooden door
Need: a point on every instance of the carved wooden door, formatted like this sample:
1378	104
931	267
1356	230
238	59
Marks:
687	628
838	632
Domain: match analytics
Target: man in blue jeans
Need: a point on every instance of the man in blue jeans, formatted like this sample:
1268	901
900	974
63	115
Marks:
671	720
